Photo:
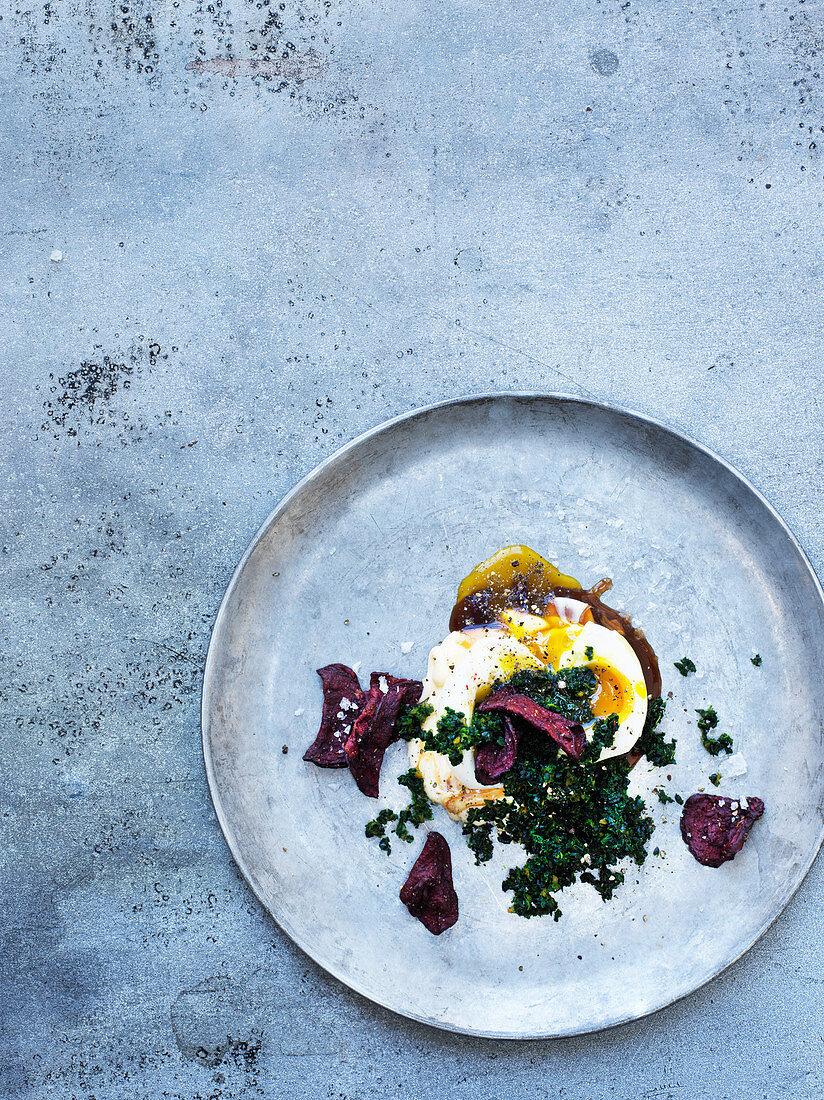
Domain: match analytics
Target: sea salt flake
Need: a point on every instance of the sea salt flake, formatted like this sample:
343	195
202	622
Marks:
735	766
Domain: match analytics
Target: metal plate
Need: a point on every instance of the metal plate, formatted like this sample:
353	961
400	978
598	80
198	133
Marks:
363	558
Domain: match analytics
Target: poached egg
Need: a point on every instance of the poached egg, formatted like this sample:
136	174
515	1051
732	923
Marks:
463	667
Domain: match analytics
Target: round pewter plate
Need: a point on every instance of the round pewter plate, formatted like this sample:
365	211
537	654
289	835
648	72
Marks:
360	563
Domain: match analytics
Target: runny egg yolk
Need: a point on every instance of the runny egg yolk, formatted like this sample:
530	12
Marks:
614	693
556	640
547	638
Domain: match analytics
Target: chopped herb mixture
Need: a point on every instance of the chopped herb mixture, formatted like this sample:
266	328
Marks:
708	720
756	660
685	666
410	720
377	828
662	795
565	693
418	811
453	737
652	742
575	820
715	779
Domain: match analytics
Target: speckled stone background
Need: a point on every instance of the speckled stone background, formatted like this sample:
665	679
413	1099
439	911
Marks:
235	234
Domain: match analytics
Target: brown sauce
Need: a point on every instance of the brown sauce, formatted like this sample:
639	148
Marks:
518	577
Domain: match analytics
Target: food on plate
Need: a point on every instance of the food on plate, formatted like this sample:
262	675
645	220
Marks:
342	701
357	729
528	628
715	828
373	730
493	759
534	710
708	720
428	892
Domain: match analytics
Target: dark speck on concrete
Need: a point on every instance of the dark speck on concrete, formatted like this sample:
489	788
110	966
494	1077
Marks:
604	62
83	397
82	390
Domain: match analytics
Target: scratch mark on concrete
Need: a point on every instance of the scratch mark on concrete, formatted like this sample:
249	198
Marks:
518	351
174	652
299	66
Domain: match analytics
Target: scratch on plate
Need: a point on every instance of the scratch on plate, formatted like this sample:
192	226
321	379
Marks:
376	524
625	481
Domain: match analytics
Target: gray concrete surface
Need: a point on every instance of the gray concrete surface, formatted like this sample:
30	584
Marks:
213	273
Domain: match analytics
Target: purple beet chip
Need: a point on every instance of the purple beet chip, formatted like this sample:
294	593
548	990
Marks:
342	703
569	735
428	893
491	760
373	731
714	828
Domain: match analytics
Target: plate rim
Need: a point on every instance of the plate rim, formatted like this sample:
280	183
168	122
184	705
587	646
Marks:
211	779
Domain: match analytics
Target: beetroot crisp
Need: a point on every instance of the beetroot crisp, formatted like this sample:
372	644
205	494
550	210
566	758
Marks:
342	703
714	828
428	893
569	735
373	731
491	760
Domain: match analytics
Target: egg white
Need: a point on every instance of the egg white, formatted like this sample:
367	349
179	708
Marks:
608	648
611	648
459	674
